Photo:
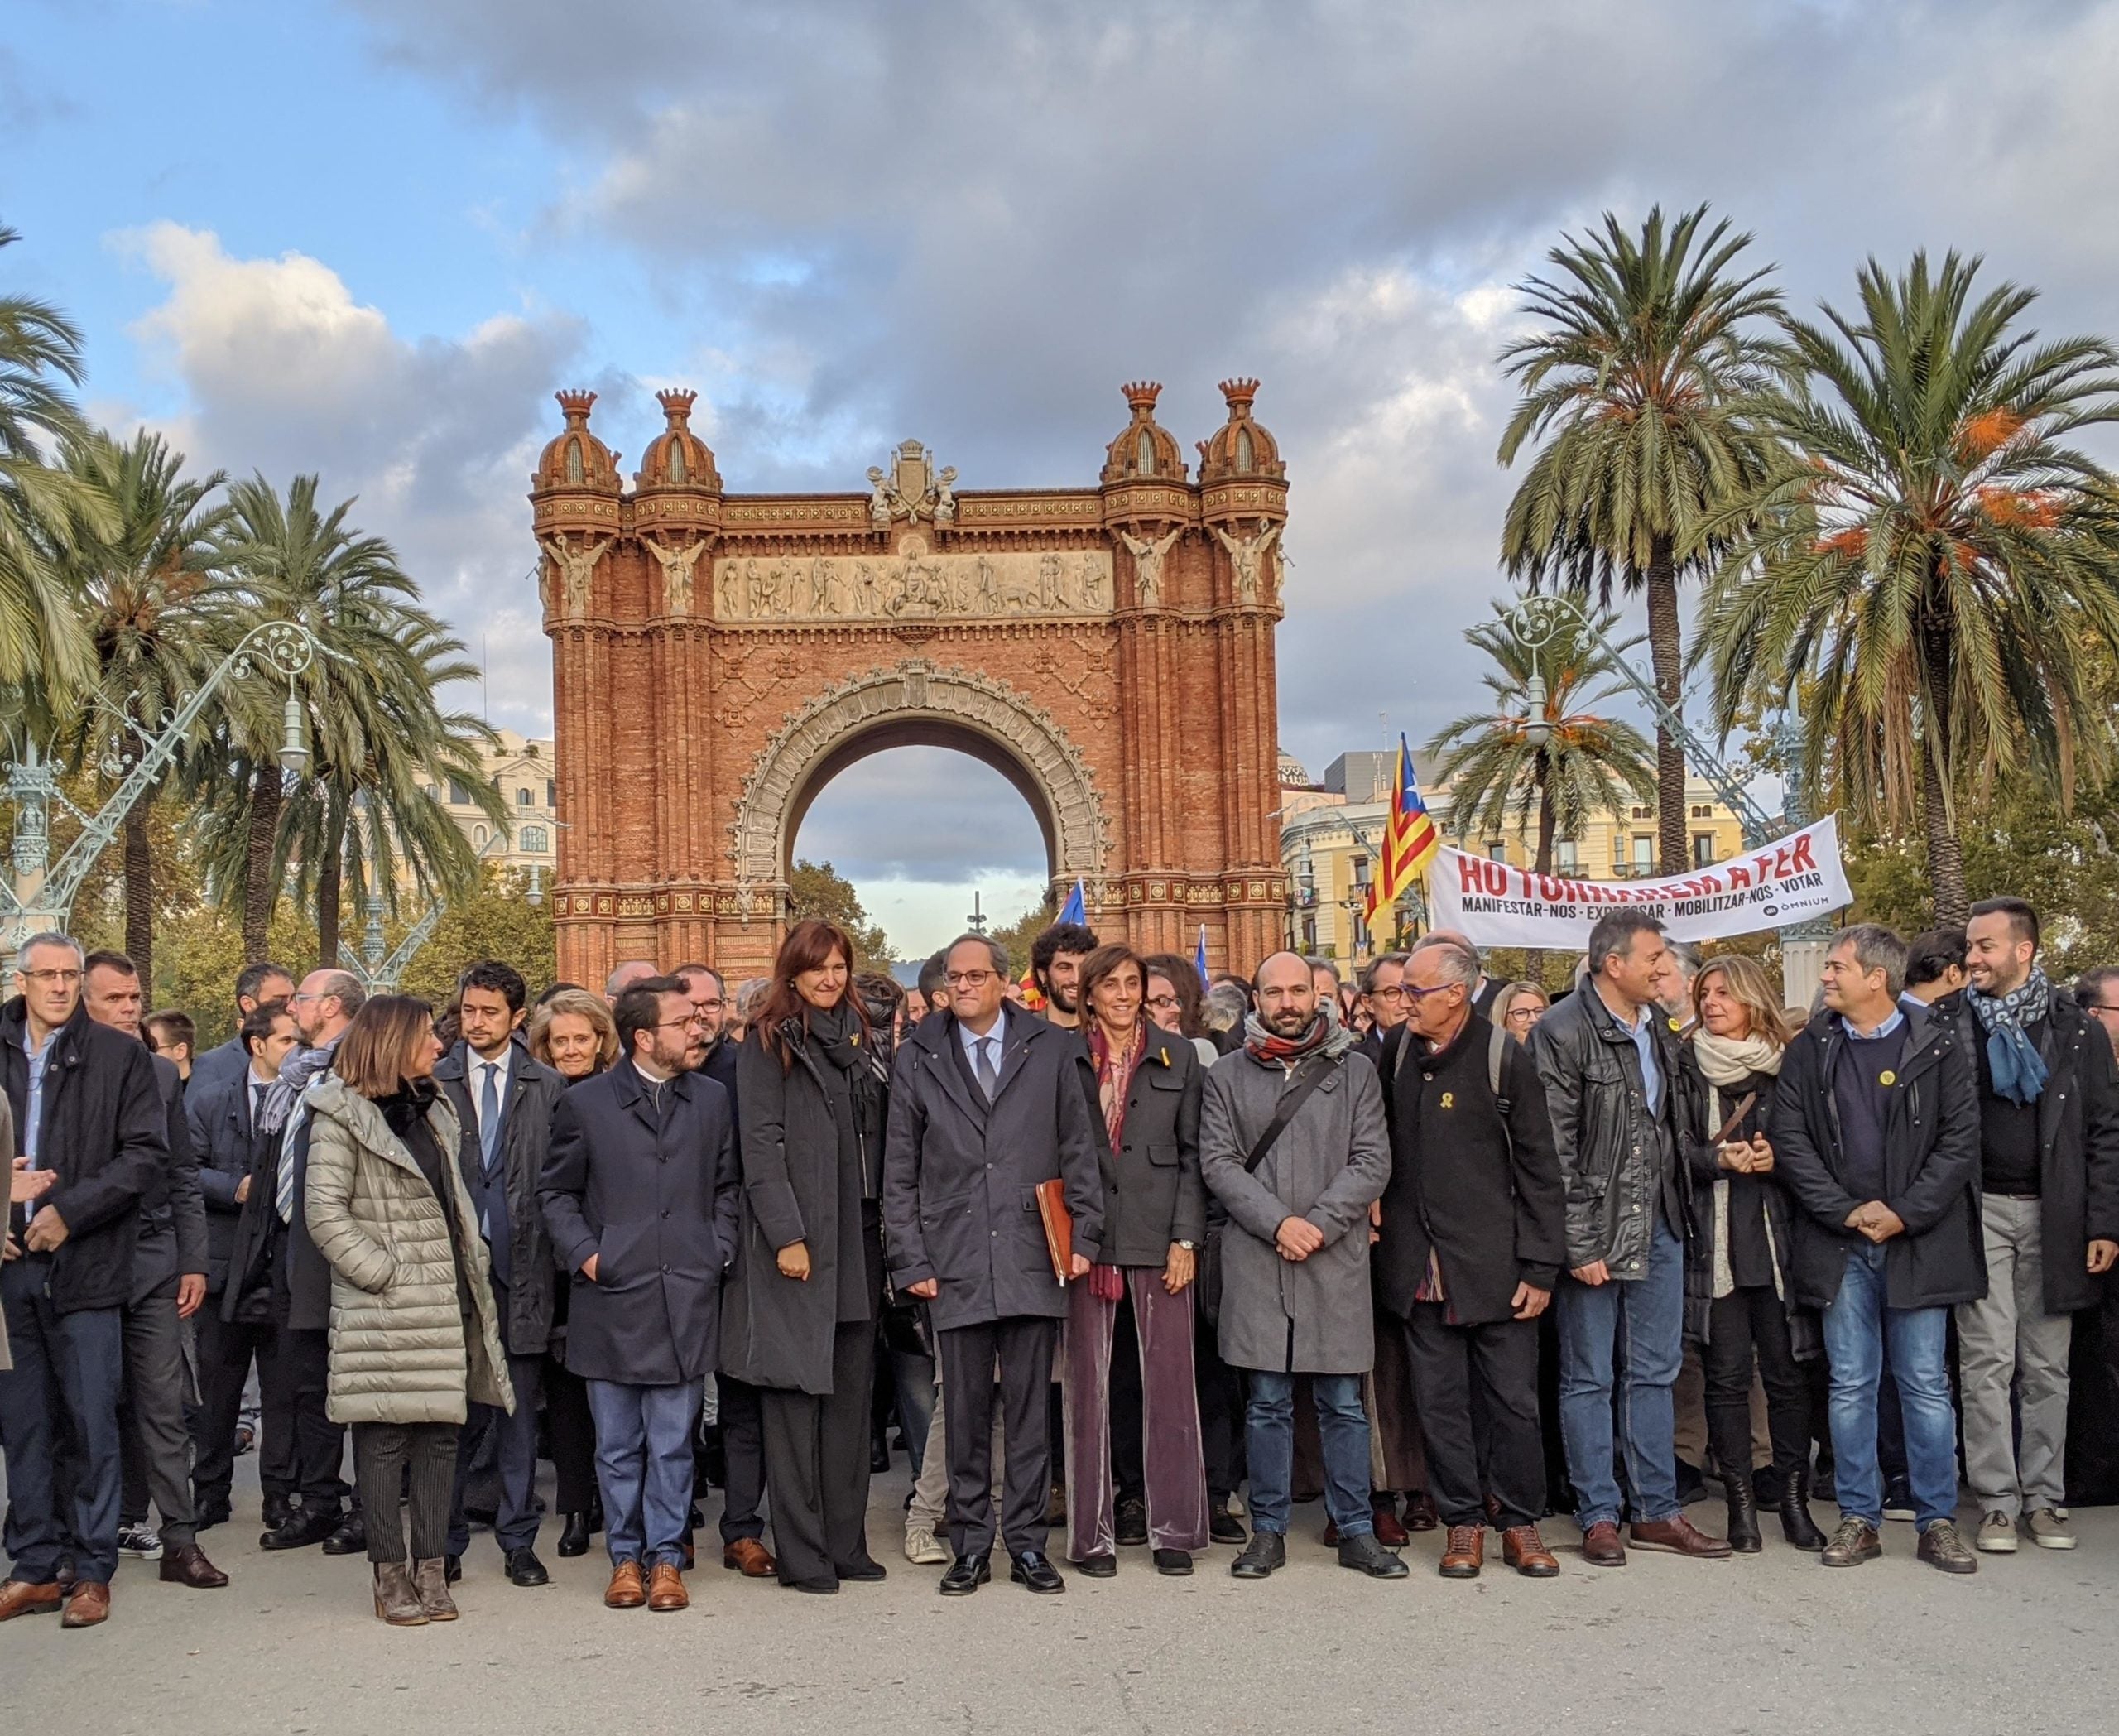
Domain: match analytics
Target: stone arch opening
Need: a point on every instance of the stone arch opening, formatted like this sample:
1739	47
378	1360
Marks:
917	705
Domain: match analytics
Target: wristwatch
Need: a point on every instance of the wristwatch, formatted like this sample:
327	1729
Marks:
1189	1247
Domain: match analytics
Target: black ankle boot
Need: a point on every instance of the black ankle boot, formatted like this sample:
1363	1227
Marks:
1744	1538
573	1535
1796	1524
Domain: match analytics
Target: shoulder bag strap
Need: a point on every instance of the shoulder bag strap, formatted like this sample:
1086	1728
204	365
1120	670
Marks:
1284	1112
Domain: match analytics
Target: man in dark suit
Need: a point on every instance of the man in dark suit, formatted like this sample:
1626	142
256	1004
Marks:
169	1285
639	1193
259	982
987	1103
235	1327
85	1100
504	1101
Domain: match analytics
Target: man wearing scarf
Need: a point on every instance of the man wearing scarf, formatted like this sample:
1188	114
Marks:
2049	1200
1295	1297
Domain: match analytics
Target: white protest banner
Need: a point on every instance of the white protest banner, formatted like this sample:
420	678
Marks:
1789	880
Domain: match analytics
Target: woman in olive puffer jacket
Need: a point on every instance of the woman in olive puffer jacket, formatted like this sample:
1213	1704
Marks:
414	1331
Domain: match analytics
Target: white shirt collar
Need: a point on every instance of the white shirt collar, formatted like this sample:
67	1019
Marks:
971	1039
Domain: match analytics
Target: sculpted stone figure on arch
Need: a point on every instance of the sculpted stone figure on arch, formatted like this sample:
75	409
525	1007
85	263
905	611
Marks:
787	637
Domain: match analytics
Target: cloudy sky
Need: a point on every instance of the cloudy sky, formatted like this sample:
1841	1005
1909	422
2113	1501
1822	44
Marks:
370	239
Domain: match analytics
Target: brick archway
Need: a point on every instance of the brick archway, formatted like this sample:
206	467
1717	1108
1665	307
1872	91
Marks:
717	657
919	704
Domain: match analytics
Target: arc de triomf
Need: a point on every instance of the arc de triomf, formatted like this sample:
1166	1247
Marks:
718	658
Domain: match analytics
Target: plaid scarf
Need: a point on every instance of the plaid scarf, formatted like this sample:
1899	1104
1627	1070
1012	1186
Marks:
1114	1074
2019	1070
1326	1035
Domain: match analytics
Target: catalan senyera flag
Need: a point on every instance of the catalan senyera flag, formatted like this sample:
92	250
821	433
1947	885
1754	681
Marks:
1409	843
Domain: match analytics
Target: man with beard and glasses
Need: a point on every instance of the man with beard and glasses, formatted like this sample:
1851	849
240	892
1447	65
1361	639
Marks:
1292	1142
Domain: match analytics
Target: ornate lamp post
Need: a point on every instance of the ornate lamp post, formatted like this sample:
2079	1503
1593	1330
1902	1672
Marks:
380	969
42	893
1536	620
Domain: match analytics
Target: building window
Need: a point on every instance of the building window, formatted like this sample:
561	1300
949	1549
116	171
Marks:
1496	849
522	798
1644	813
1703	850
1702	811
1644	854
551	793
458	796
479	836
1360	868
1565	857
534	840
1309	935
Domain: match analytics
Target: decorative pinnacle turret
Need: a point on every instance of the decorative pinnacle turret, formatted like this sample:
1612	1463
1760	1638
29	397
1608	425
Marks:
1141	395
575	405
677	405
1239	394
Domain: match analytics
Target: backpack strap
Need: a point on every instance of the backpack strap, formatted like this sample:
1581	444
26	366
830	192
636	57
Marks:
1497	1048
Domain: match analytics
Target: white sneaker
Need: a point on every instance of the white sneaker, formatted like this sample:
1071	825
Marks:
921	1549
2048	1528
1997	1535
143	1542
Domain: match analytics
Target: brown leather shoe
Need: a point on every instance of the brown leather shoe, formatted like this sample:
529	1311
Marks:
1679	1536
1465	1552
1525	1551
397	1599
1420	1511
430	1580
665	1589
627	1590
186	1564
1600	1547
18	1597
89	1607
1389	1531
750	1558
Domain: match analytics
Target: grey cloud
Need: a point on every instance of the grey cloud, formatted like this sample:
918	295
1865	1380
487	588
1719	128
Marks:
924	814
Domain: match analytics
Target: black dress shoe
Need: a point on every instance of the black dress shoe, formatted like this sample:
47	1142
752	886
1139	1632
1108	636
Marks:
452	1569
1035	1573
879	1455
350	1538
1098	1567
524	1568
305	1528
277	1510
864	1573
212	1513
1131	1523
1264	1554
573	1535
965	1574
1175	1564
1224	1527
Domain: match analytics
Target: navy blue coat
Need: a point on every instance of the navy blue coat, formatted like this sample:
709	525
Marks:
655	1201
226	1144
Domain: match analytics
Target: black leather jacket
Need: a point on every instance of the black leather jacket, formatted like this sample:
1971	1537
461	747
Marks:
1615	1157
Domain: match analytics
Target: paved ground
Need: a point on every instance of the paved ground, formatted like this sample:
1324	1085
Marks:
1772	1645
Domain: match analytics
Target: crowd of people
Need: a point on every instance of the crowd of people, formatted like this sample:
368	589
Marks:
1096	1265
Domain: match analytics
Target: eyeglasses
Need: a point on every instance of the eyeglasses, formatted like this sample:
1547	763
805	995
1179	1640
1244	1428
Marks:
1524	1015
968	978
1416	992
1163	1001
689	1019
54	978
2100	1006
1396	992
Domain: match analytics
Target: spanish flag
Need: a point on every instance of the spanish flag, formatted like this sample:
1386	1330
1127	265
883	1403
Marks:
1409	843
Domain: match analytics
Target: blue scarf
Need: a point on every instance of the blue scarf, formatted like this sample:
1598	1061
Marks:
2019	1070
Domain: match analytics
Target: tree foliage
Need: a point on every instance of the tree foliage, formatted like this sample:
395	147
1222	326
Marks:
817	889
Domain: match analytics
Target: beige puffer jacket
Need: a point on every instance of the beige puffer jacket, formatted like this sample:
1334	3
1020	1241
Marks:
398	1349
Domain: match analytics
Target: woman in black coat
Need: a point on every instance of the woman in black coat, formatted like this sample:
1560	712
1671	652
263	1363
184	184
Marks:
1739	1300
800	1317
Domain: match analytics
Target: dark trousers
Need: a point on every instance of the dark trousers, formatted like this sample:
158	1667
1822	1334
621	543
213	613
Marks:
153	1442
816	1458
382	1453
742	1447
68	1363
1748	1322
1024	1346
226	1351
301	1371
572	1428
513	1434
1221	1411
1478	1411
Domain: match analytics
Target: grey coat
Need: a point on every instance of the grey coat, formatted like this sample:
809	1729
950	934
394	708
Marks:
1328	1165
1152	1194
960	1176
655	1199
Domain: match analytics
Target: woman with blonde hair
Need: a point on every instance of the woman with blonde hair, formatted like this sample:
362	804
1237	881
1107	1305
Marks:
414	1335
1740	1305
1517	1008
572	1032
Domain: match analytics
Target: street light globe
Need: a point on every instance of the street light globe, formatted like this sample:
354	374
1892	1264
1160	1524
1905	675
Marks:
294	749
1537	727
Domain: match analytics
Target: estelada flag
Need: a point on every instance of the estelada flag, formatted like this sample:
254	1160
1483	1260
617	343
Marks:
1409	841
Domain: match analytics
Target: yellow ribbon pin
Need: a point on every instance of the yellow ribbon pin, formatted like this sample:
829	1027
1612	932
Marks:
1448	1099
1887	1077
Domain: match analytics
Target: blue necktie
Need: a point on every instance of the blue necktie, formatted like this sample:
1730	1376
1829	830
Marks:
989	1077
493	1183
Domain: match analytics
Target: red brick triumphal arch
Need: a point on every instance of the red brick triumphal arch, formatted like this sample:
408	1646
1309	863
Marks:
718	658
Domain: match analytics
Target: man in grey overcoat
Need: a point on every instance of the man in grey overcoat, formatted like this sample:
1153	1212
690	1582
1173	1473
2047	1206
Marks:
1294	1256
986	1103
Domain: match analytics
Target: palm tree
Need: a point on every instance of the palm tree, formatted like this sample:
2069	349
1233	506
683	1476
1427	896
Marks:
373	718
1934	566
43	644
145	582
1501	779
1652	346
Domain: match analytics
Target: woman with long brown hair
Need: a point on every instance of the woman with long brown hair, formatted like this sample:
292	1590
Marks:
799	1315
1739	1301
414	1335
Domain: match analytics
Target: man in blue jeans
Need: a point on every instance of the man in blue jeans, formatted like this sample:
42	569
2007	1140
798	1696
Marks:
1292	1142
1609	1061
1875	1132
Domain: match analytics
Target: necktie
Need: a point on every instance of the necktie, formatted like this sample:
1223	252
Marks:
989	1077
493	1221
283	1185
489	1117
258	1088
